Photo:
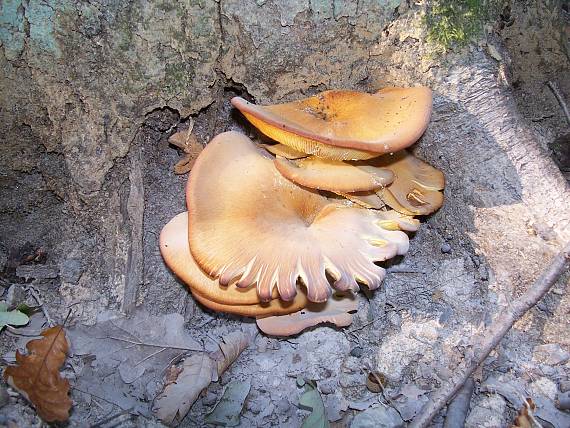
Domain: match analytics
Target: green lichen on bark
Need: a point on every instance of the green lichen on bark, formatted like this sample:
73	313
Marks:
456	22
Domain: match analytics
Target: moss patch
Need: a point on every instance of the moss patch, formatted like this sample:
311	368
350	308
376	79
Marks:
456	22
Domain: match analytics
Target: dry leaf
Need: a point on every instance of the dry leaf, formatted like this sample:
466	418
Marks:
336	310
36	375
375	382
525	417
311	400
197	372
228	410
190	146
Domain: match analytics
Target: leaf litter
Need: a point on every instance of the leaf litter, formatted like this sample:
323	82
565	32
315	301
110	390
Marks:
227	411
311	400
36	375
120	361
197	372
14	317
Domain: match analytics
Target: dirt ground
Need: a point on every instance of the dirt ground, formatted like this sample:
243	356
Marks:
87	183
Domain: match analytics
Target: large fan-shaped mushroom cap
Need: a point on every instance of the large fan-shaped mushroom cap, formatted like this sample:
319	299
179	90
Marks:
247	222
241	301
344	125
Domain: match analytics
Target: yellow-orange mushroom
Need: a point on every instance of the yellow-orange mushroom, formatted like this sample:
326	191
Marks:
249	224
345	125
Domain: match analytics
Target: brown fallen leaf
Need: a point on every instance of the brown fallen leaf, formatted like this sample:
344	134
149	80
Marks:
190	146
336	310
196	373
36	375
525	417
375	382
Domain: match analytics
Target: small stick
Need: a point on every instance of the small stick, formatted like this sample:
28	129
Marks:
488	340
554	88
150	356
155	345
111	418
403	269
458	408
40	303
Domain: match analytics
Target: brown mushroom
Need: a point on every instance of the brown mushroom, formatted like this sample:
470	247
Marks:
342	125
248	223
331	175
241	301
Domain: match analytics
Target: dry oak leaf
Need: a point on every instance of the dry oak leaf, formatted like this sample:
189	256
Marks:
36	375
196	374
191	148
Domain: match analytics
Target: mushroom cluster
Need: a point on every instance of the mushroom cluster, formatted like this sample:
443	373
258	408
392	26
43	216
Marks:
272	229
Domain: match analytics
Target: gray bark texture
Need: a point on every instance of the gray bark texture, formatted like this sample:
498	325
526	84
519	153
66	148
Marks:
90	91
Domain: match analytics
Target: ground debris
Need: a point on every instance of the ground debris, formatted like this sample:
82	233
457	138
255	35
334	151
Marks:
409	401
514	389
183	386
311	400
379	416
551	354
228	409
37	271
122	359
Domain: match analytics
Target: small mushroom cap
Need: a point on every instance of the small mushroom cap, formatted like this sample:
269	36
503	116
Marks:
241	301
331	175
248	223
345	124
416	189
337	310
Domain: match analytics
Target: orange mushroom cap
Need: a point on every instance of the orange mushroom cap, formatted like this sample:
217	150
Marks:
343	124
331	175
416	189
337	310
248	223
241	301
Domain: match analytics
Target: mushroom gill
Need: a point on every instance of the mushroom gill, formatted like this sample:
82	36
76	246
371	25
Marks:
345	125
249	224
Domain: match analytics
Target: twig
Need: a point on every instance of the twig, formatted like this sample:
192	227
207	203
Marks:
111	418
488	340
97	396
155	345
458	408
381	317
40	303
150	356
404	269
14	332
554	88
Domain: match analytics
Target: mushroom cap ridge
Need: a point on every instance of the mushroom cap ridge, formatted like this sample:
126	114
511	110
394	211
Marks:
250	224
386	121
